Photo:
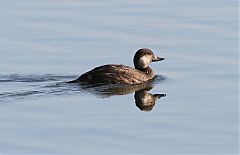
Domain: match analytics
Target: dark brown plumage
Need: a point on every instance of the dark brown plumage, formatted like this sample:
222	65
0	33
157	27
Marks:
121	74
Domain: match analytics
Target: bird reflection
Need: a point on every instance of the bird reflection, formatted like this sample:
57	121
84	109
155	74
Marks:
144	100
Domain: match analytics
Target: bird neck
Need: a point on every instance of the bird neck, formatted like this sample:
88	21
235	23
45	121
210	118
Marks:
149	72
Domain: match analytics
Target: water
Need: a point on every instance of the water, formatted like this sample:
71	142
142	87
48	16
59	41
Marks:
46	43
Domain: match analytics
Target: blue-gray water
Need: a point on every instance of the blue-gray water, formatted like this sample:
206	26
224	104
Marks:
45	43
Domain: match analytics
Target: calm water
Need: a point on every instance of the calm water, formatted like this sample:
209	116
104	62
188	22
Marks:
45	43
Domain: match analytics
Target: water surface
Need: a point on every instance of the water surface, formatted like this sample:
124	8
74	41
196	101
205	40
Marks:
46	43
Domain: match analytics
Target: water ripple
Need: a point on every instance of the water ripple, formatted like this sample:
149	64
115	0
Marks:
17	86
34	78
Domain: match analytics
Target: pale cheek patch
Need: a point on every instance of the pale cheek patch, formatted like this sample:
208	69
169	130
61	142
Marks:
147	99
144	61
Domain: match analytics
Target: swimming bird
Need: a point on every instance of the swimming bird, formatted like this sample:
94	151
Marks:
121	74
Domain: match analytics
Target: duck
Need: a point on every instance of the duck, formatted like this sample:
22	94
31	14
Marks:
122	74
